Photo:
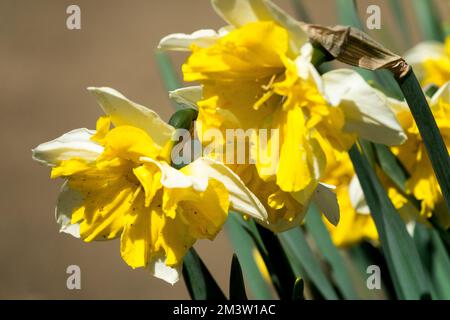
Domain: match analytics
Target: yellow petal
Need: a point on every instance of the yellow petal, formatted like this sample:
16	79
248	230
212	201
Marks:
240	55
129	143
294	171
149	175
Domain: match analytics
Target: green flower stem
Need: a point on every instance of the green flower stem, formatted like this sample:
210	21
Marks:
168	74
435	146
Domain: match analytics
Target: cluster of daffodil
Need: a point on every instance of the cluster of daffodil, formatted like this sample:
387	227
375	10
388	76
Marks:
255	73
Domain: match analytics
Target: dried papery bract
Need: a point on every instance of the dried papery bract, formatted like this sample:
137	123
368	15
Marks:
356	48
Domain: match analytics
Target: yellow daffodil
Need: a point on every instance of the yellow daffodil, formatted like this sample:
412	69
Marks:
422	182
257	74
119	183
431	62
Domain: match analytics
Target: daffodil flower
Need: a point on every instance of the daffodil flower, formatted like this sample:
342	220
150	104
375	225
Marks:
431	62
119	183
422	182
257	74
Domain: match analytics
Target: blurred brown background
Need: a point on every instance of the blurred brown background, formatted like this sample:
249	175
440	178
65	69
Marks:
45	69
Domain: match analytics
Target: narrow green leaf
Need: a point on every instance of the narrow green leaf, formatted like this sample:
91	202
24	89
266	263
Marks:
278	264
391	166
297	292
440	267
398	247
326	247
435	146
369	150
362	256
237	286
199	281
303	259
244	247
435	259
444	234
168	73
422	239
429	20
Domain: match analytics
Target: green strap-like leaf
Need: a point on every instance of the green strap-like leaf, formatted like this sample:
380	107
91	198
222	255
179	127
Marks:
398	247
440	267
299	287
435	259
391	166
245	249
444	234
326	247
303	260
237	286
363	255
278	264
199	281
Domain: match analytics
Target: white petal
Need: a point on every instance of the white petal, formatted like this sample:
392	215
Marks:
424	51
410	227
357	198
188	96
74	144
68	200
241	12
366	110
442	94
307	71
397	105
161	271
241	198
182	42
124	112
327	202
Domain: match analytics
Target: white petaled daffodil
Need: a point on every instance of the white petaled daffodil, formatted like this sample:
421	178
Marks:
256	73
119	183
431	62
